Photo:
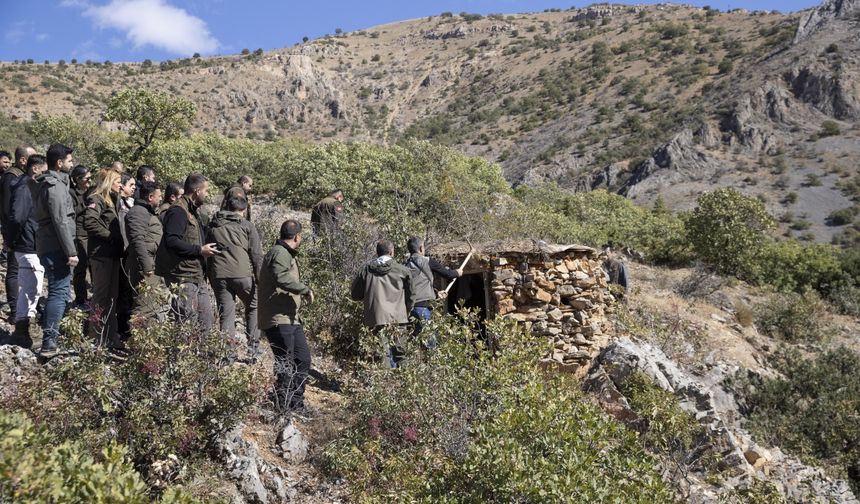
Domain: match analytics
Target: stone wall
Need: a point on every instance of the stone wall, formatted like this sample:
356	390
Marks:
556	292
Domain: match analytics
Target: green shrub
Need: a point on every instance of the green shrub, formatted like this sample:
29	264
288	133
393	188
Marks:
598	217
811	409
829	128
174	395
727	230
842	216
462	424
756	492
793	317
812	180
667	428
726	66
34	470
790	266
845	297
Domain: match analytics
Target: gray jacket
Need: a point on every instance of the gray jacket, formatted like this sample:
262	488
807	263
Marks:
55	214
144	234
386	289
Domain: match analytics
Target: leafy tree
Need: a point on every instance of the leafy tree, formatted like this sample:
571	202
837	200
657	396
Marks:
728	230
93	145
150	116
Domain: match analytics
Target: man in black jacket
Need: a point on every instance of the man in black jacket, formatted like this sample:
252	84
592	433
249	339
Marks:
181	254
22	152
22	230
422	269
79	191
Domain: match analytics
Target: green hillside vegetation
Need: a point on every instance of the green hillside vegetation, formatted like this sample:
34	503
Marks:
457	426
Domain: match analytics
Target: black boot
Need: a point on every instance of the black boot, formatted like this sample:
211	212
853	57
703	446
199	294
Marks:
21	336
49	346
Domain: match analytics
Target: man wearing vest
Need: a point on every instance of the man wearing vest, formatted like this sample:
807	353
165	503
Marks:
180	256
281	292
422	269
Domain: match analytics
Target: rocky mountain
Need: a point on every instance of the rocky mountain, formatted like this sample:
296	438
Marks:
650	101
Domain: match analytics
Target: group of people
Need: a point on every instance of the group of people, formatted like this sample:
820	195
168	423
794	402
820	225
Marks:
104	241
60	225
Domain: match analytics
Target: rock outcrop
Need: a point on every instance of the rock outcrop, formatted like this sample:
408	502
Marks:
834	91
257	481
818	17
716	410
678	160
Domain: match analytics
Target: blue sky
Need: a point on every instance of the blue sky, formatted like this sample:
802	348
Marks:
134	30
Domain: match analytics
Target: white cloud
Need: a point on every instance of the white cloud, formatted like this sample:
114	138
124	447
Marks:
17	32
155	23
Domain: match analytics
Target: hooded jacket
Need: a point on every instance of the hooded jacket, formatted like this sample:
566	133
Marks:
21	226
239	246
280	288
55	214
386	289
144	232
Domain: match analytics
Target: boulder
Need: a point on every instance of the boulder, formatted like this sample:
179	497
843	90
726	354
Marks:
294	446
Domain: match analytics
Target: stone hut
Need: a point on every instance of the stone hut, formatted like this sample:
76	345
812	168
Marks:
557	291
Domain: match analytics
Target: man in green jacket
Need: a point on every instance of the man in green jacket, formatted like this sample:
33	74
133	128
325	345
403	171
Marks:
233	271
327	214
281	292
386	289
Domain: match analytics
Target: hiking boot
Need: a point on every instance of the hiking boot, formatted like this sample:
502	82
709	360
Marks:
21	336
49	346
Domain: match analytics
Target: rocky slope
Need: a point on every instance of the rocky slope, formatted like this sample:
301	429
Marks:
662	100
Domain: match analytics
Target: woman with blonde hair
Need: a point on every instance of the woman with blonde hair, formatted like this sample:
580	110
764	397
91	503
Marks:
105	248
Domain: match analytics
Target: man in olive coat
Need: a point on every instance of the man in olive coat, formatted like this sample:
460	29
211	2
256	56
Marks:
327	214
233	271
144	231
386	289
281	293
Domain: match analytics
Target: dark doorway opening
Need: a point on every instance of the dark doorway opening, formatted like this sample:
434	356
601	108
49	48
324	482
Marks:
471	292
